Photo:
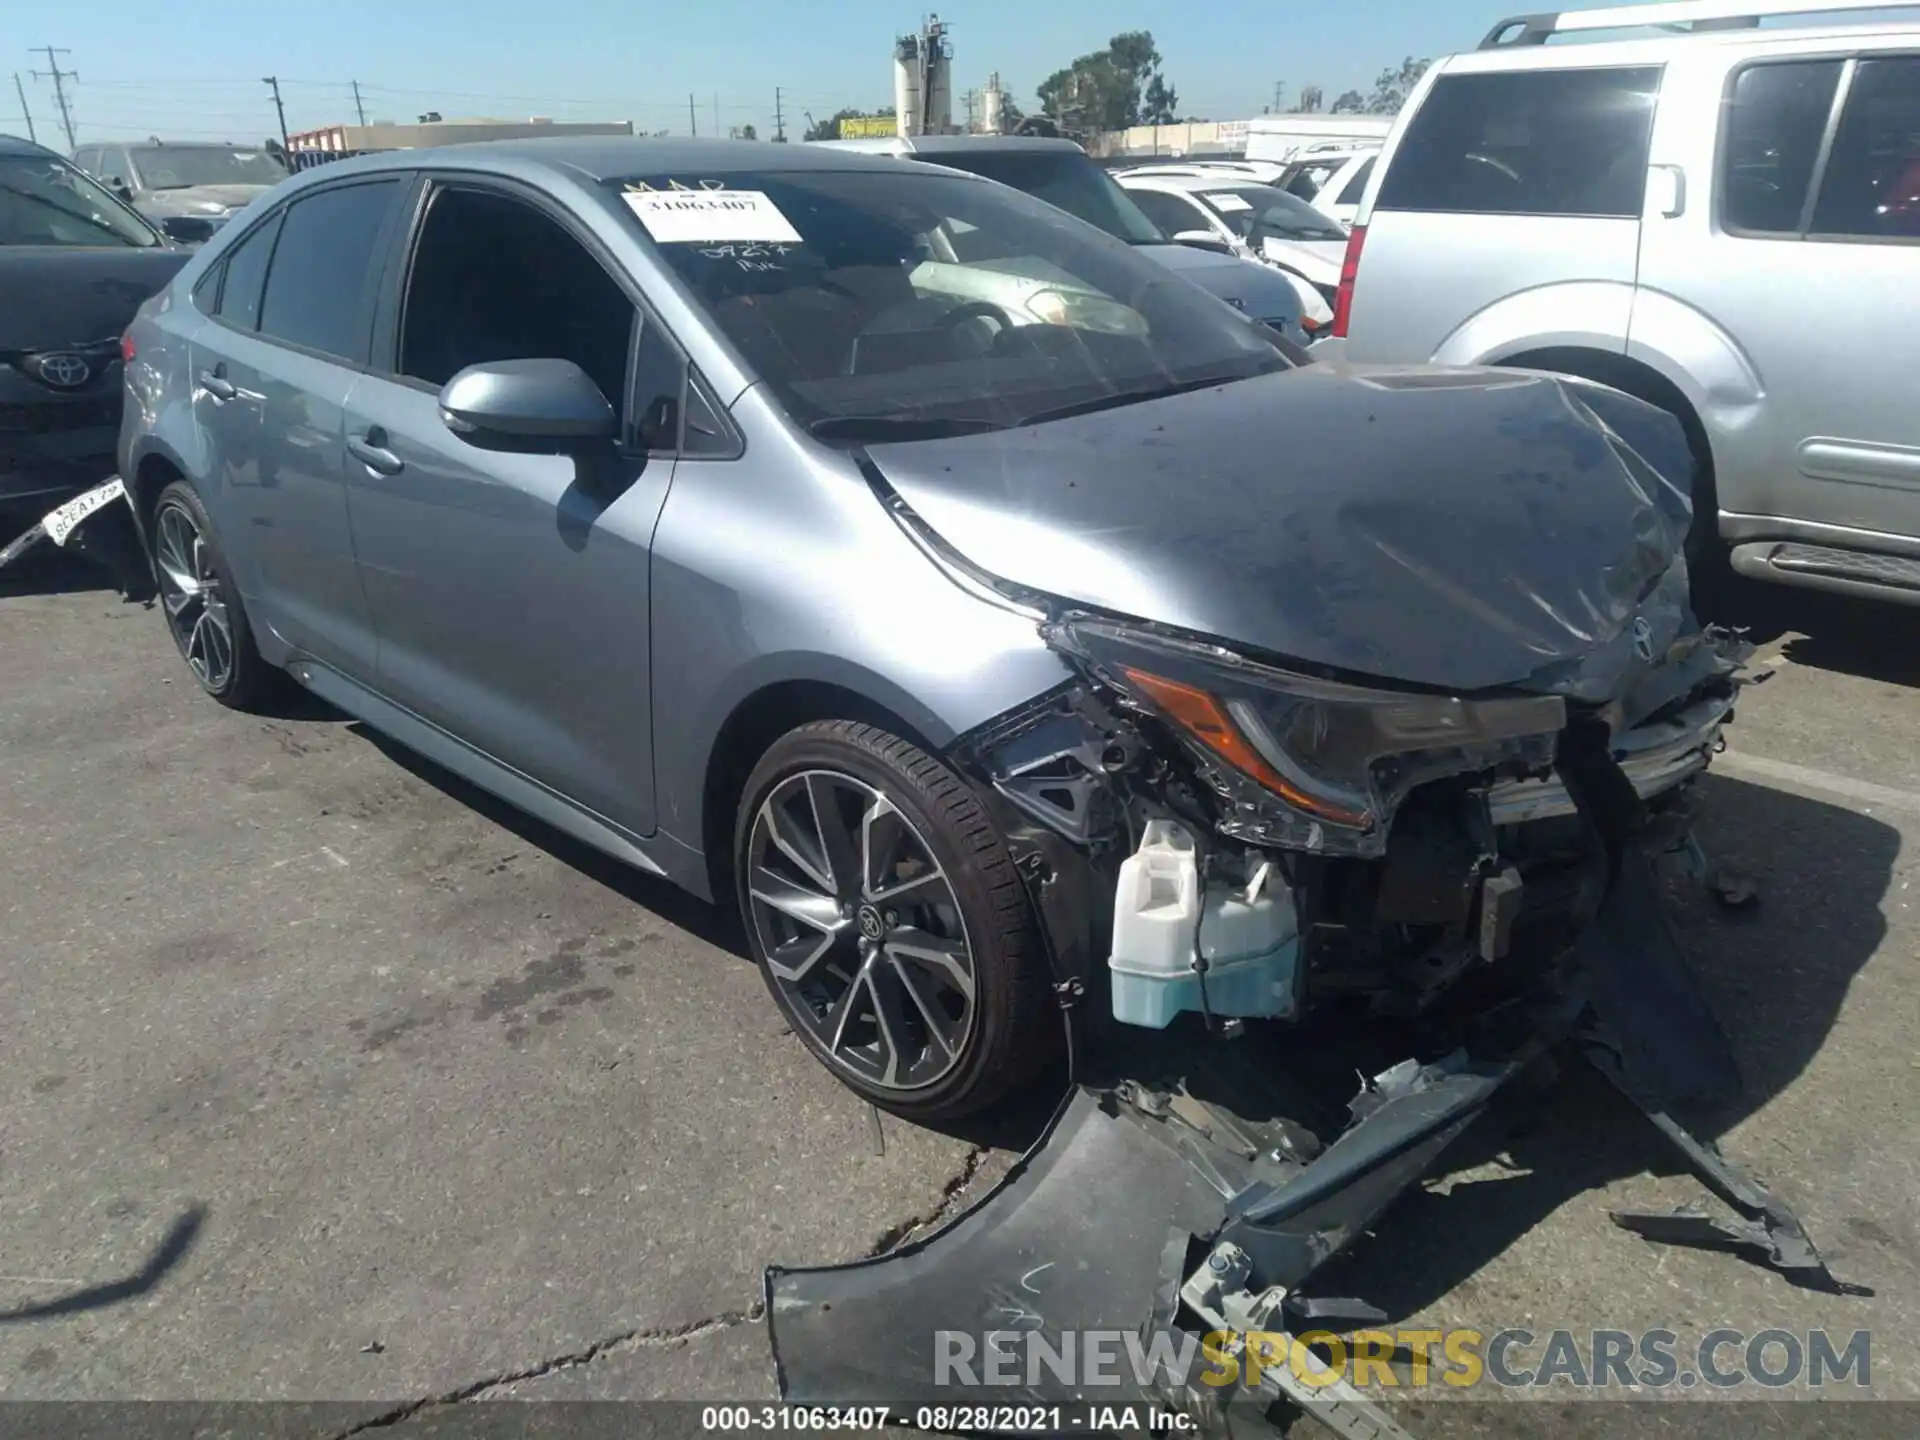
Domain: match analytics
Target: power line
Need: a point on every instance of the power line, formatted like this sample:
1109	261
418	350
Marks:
57	75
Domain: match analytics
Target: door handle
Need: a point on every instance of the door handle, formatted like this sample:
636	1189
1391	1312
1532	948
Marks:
1667	187
371	451
216	384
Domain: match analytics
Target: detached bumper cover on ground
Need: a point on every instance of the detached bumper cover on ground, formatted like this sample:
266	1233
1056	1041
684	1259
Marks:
1174	1193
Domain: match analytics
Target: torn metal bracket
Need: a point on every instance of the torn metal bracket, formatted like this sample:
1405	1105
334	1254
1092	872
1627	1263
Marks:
1767	1228
1218	1295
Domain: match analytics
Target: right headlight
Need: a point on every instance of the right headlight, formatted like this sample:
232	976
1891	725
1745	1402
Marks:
1333	760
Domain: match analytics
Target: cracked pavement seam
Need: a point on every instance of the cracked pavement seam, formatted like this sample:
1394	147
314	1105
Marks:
626	1340
944	1207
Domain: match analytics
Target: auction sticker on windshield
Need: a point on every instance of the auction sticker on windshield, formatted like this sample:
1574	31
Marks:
704	217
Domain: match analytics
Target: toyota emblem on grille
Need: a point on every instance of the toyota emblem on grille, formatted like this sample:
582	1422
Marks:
1643	638
62	370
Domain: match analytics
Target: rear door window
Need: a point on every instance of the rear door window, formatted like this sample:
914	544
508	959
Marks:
319	289
1776	119
1871	189
246	271
1535	142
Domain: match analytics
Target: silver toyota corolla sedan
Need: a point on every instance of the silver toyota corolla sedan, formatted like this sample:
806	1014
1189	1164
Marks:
994	617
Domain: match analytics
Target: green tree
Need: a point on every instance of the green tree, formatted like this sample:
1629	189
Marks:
1160	105
1110	89
1393	87
1351	103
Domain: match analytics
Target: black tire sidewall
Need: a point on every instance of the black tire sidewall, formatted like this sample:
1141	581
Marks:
247	671
1001	1044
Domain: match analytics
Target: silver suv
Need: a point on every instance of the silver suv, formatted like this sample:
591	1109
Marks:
1724	221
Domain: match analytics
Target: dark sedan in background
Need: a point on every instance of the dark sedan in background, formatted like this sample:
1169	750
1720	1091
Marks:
75	264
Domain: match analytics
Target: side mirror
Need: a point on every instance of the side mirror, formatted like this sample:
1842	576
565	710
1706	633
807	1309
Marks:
1203	240
120	187
529	404
187	229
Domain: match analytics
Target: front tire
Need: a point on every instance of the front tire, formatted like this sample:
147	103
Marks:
202	604
889	922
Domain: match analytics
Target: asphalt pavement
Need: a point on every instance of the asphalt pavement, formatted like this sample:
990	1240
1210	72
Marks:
326	1078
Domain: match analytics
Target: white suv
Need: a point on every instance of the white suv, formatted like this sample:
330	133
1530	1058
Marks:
1725	222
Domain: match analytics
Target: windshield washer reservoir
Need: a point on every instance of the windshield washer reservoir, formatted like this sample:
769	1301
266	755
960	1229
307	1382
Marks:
1250	937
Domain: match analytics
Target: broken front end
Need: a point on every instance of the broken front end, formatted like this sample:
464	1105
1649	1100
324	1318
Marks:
1231	859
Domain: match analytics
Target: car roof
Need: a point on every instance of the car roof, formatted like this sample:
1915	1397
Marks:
1197	183
1643	49
173	145
1335	157
948	144
613	157
14	145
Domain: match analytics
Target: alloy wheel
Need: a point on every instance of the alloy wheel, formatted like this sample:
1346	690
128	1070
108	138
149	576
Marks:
860	930
192	595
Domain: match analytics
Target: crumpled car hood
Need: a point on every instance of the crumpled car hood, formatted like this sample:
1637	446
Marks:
1463	529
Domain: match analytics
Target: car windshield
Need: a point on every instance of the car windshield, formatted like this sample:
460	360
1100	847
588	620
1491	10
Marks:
1065	180
1280	215
880	304
179	167
44	201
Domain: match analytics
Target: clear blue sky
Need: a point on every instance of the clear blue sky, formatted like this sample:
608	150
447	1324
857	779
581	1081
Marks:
191	69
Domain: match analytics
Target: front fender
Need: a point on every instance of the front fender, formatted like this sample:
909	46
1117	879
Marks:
1588	314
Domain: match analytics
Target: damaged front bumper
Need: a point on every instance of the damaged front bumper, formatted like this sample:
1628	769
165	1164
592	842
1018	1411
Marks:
1494	890
1179	1202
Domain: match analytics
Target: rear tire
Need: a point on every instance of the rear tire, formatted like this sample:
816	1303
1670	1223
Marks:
202	605
889	922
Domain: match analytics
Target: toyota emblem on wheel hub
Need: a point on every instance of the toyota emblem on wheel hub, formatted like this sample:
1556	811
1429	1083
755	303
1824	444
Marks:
63	370
871	925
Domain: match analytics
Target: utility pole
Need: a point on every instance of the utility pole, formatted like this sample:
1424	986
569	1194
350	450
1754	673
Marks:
1278	87
779	120
57	75
358	108
279	109
716	114
25	113
693	122
972	98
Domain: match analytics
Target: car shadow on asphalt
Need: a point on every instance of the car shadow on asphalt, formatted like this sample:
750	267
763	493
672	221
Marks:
716	925
1776	974
1870	639
45	570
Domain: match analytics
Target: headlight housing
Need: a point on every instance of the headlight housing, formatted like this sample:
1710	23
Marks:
1303	762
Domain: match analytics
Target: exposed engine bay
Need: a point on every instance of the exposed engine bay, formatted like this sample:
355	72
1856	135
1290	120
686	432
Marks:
1223	849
